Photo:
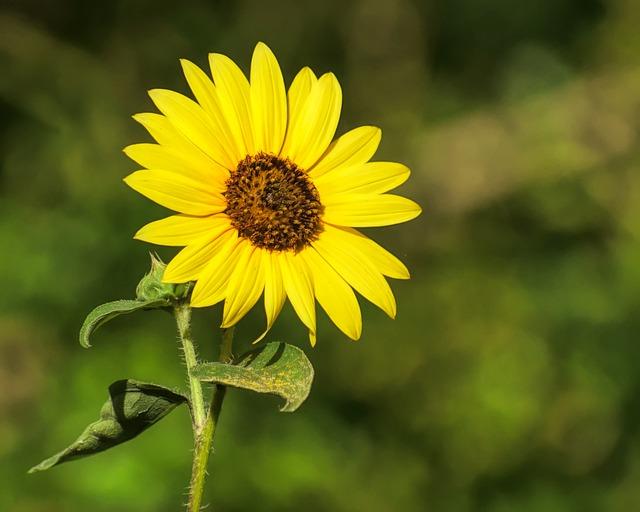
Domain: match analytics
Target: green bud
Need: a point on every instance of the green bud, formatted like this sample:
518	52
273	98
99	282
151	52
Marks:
151	286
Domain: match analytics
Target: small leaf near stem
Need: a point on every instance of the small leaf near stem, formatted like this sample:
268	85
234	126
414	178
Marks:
151	293
105	312
132	408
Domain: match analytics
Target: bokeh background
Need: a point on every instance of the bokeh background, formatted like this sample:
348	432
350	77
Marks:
509	380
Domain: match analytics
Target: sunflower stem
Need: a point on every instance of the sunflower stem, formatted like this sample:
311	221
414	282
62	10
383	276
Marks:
204	437
182	314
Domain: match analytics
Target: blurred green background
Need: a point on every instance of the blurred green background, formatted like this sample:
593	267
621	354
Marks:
509	379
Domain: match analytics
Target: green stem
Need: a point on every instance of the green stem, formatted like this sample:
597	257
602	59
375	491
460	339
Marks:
204	438
182	313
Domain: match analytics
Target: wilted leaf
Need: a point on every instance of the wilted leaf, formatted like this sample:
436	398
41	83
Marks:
276	368
131	409
105	312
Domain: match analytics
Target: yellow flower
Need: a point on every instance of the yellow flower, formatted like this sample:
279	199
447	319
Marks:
266	201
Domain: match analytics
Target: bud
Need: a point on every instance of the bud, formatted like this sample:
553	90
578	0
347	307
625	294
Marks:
151	286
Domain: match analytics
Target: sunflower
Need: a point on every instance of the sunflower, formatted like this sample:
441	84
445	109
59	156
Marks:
266	200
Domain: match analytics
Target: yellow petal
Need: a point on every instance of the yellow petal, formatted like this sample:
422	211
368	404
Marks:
211	287
297	96
165	134
234	95
299	288
207	96
334	295
158	127
245	286
177	192
366	210
274	295
356	270
203	89
312	132
179	230
189	263
155	156
268	101
190	120
369	178
353	148
382	259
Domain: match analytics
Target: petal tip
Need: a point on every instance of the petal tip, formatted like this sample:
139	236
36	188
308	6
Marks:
217	57
154	93
139	235
355	336
189	67
195	302
127	150
140	117
308	71
334	80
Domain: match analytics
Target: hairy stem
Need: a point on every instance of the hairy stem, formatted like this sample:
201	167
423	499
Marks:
204	438
182	313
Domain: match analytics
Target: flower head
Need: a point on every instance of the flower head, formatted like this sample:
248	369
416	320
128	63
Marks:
266	203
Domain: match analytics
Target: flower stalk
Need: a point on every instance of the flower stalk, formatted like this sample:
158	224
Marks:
182	314
204	423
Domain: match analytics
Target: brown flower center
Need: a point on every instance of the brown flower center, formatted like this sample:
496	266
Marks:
273	203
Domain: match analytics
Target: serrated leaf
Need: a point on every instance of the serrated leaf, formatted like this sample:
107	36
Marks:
105	312
131	409
276	368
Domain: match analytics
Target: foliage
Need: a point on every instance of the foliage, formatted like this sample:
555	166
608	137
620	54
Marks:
131	409
275	368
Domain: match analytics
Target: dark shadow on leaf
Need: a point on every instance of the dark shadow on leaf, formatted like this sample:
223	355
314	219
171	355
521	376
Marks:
248	358
117	393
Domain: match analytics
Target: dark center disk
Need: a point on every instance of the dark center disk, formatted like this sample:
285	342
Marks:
273	203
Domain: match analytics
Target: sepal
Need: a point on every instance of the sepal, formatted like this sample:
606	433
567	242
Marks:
151	286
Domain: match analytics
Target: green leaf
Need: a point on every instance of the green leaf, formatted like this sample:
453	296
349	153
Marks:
276	368
151	293
131	409
105	312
